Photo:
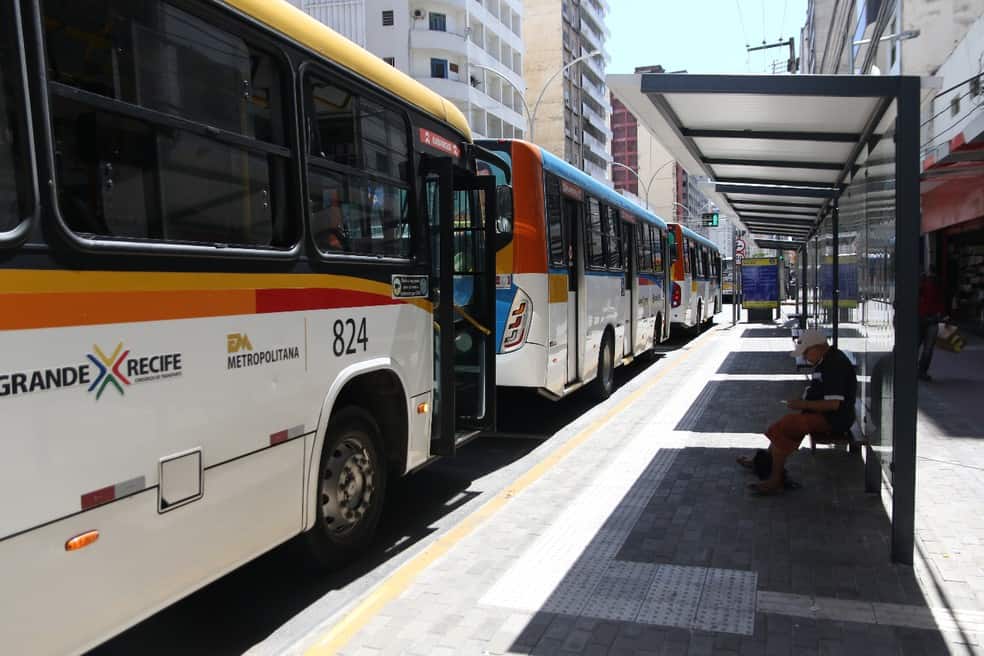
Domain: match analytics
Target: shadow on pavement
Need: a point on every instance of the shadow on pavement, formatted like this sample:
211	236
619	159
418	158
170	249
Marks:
767	332
758	362
244	607
689	559
739	406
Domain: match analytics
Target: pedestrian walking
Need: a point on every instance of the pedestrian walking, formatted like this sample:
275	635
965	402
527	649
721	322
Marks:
931	311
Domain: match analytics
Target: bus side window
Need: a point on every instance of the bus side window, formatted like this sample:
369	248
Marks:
613	238
657	249
121	91
16	194
642	247
595	235
555	226
358	173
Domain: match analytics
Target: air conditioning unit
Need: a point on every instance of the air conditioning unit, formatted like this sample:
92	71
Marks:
418	13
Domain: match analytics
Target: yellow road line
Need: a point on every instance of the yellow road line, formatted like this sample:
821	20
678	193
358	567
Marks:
343	631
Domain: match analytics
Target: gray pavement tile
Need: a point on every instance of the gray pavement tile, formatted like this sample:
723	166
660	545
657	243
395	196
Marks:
604	633
547	647
576	640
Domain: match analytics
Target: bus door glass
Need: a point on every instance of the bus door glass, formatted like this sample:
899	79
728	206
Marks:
629	311
572	222
461	210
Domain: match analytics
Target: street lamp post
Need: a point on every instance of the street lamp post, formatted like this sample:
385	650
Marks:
520	93
645	185
531	115
536	105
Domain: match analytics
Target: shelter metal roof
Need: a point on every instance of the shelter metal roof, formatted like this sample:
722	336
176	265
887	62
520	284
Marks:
777	149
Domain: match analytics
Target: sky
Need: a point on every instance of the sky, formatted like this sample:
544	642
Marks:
701	36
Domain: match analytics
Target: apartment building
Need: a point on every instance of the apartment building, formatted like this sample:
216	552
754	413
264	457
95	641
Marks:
572	115
469	51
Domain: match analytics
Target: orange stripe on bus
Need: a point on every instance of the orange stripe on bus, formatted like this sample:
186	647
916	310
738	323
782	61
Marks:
46	298
22	311
558	287
529	224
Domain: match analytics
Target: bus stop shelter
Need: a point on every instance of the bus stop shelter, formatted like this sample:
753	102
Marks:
826	167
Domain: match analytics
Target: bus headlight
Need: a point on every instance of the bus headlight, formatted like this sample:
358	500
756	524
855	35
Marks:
517	323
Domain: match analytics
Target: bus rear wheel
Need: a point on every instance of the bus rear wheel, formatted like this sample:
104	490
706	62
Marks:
350	489
657	337
605	378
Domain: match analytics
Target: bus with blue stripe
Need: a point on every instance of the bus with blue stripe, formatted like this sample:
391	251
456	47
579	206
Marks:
695	267
581	276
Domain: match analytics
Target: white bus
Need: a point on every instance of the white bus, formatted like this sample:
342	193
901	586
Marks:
695	294
243	279
581	276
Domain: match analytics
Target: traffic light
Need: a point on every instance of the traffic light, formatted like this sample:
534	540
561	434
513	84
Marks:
710	219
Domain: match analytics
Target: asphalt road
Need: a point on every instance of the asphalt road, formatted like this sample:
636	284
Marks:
249	604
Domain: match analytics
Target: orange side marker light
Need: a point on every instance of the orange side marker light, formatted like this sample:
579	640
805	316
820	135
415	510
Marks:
422	408
81	541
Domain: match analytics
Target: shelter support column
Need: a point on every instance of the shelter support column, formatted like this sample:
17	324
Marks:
835	272
906	322
804	307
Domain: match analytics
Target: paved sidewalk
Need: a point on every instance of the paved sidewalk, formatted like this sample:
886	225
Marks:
634	533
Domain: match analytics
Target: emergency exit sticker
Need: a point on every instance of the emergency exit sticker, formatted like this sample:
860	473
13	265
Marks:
437	142
409	286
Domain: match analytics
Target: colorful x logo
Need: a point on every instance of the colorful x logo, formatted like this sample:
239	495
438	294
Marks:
109	369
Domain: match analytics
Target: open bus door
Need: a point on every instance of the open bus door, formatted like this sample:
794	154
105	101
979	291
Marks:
461	209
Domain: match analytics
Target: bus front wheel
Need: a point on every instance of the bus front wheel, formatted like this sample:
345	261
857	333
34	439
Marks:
350	490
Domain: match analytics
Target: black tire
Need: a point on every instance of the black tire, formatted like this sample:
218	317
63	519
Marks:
604	382
699	323
350	490
657	337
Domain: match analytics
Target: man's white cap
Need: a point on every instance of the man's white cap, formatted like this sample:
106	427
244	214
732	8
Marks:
808	338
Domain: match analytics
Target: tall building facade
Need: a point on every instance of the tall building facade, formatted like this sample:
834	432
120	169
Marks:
941	42
659	180
571	119
469	51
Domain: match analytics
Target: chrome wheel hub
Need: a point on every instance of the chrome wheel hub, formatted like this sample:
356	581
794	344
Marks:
348	483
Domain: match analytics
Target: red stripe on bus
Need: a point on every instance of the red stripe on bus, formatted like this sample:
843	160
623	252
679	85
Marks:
98	497
293	300
278	437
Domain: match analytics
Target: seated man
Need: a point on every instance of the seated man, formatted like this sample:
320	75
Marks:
827	406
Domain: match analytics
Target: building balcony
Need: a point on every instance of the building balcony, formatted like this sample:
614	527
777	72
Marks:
589	36
494	24
599	173
464	93
596	93
598	147
590	113
589	11
424	39
593	68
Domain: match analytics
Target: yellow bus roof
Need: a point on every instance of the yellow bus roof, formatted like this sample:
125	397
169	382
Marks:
294	23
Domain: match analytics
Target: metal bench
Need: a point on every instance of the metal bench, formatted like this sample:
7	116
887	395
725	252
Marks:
872	470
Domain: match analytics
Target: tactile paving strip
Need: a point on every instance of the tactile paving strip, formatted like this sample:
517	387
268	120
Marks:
621	591
571	568
727	602
674	596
